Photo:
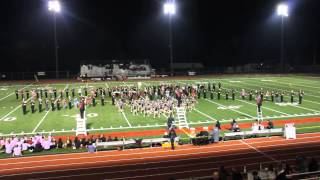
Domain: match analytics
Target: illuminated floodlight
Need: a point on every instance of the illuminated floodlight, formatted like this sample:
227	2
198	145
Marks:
169	8
54	6
282	10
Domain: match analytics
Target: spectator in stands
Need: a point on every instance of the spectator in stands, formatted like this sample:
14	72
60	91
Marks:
255	175
216	175
234	126
109	139
17	151
8	146
270	124
236	175
68	143
2	143
84	142
313	165
223	174
116	139
60	143
91	148
25	146
77	143
102	138
301	164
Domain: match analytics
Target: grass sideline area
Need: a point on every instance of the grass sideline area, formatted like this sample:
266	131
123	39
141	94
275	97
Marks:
107	119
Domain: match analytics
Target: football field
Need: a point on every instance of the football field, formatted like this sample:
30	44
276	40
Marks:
108	119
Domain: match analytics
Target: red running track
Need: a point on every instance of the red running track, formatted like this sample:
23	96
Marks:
158	163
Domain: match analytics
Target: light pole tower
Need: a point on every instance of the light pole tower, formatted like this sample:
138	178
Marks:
55	7
282	11
169	9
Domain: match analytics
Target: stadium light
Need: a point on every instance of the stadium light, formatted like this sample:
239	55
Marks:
282	10
54	6
169	8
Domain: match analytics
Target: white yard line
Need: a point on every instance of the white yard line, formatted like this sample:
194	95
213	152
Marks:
206	115
229	109
106	84
125	117
311	101
264	154
14	93
40	122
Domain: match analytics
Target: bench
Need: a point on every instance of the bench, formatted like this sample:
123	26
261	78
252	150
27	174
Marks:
133	141
244	134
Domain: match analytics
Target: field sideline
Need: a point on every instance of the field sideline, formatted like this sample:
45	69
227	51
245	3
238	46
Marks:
108	119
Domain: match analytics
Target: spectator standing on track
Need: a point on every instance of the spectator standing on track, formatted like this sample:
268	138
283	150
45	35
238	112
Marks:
172	136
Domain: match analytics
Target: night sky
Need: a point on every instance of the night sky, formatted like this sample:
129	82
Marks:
217	33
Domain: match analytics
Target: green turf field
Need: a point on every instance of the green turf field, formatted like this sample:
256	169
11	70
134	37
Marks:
107	118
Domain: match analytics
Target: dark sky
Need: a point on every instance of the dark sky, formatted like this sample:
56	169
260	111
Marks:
215	32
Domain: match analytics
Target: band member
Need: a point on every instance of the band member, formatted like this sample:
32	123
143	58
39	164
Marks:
27	92
85	91
113	99
47	105
52	104
209	87
227	95
32	106
37	93
17	94
82	108
93	101
219	94
61	94
250	95
214	87
55	93
243	94
292	96
69	102
67	93
40	105
233	94
72	92
58	104
277	96
219	85
204	93
300	96
272	96
259	103
24	107
46	93
199	93
211	94
41	92
281	97
102	99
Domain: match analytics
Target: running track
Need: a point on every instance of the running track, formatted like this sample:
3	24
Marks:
158	163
